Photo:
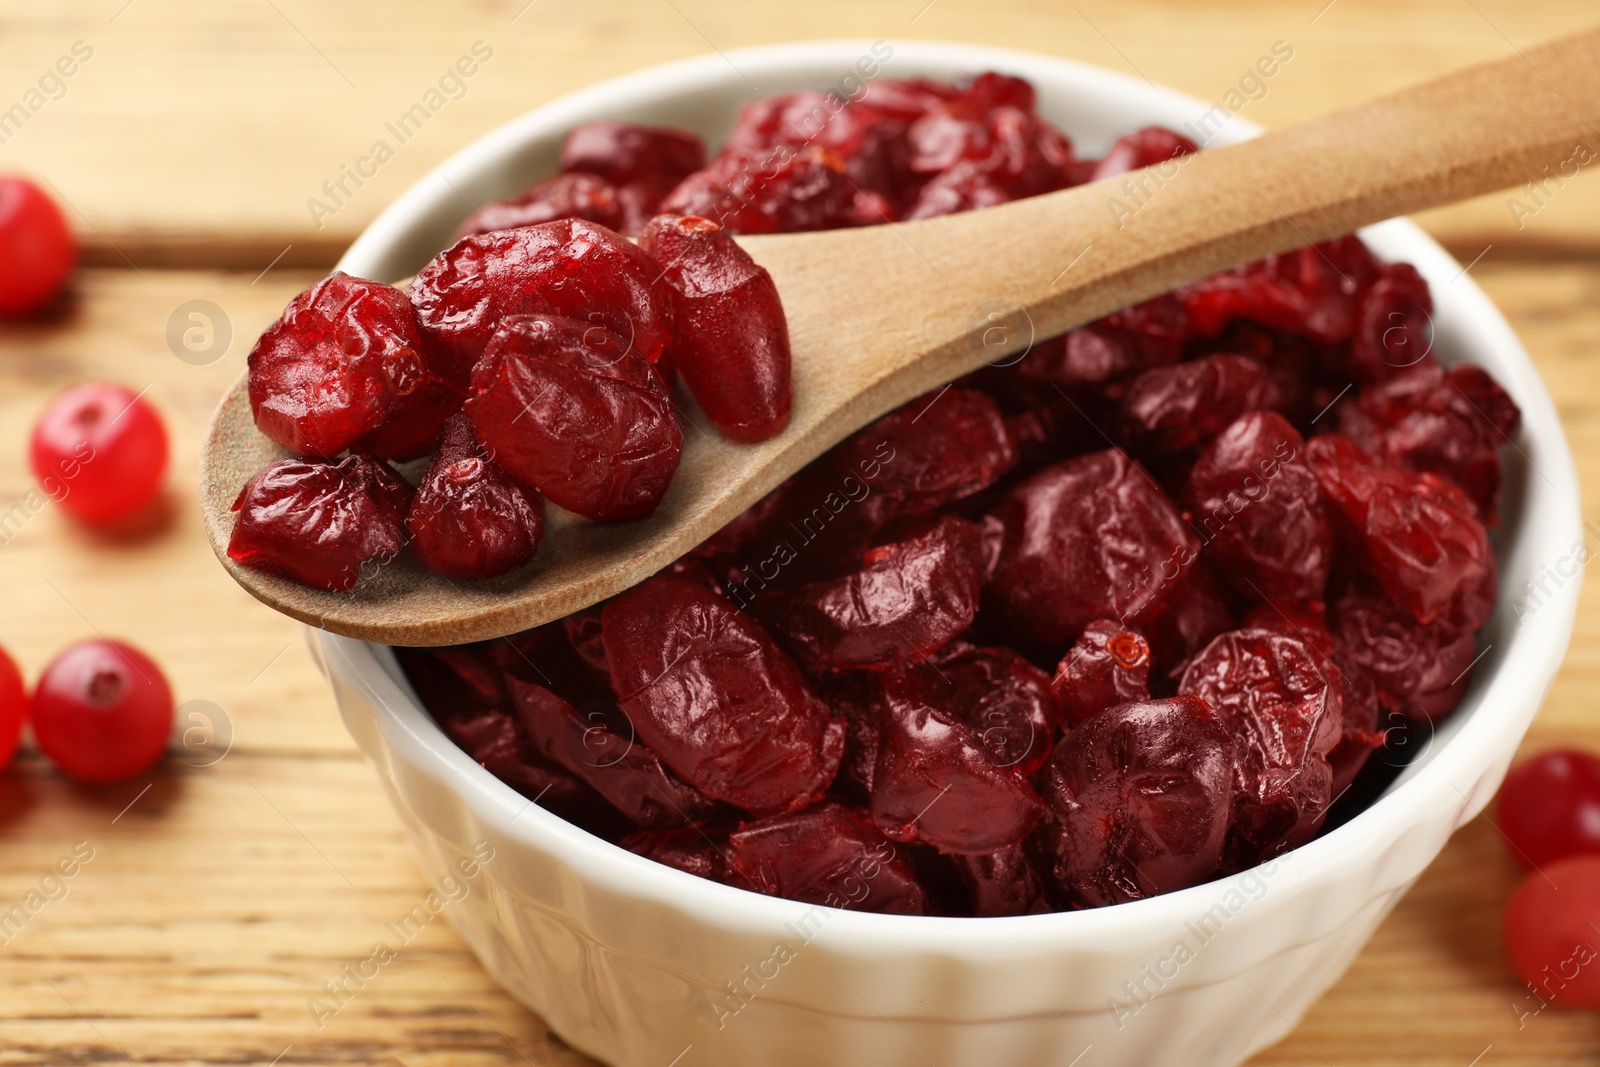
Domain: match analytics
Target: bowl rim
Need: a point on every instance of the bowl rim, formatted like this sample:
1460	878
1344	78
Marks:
1549	520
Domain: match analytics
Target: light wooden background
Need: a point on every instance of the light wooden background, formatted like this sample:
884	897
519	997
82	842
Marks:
187	146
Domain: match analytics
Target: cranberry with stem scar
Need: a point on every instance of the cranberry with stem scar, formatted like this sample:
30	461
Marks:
102	711
470	519
100	451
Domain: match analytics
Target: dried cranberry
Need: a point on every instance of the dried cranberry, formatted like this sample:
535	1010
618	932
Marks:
566	196
1139	799
908	98
570	268
1170	409
869	142
1090	538
1003	882
964	187
733	340
1313	291
597	745
691	849
830	855
1143	148
320	523
991	127
1108	665
1420	669
857	697
710	691
1257	507
454	679
905	602
624	152
469	519
779	190
497	742
346	361
572	411
1418	535
1003	698
1393	324
1286	717
936	782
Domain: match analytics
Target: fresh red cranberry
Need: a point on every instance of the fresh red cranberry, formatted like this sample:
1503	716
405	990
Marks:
1549	932
320	523
732	338
101	711
566	196
1549	807
1418	535
1108	665
779	190
829	855
574	412
100	451
937	783
1256	505
569	267
1286	718
13	707
37	250
470	520
1090	538
708	689
907	600
346	366
598	745
1139	800
625	152
1143	148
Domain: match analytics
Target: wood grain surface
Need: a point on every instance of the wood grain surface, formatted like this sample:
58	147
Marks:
218	899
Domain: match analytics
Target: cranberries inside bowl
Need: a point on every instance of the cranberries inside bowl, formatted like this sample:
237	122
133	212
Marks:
1131	612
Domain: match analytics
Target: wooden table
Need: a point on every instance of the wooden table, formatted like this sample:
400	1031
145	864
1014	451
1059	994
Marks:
187	145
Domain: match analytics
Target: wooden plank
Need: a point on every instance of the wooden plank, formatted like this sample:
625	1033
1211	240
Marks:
218	903
196	133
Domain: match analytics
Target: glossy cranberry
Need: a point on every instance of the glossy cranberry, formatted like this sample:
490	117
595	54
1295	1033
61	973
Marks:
1257	507
572	411
499	744
1418	535
100	451
1090	538
13	707
991	128
1143	148
1549	930
1195	613
344	366
1313	291
1003	882
857	697
1184	406
937	783
1003	698
1108	665
782	190
732	337
1286	718
830	855
1450	423
1549	807
566	196
470	520
598	745
906	601
966	186
624	152
1419	668
322	524
1393	324
101	711
692	849
569	268
867	140
37	250
1139	799
709	690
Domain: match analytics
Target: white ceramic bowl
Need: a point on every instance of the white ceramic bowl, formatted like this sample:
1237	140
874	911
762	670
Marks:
644	966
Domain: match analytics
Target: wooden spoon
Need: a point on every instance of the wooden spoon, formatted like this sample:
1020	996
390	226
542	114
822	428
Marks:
880	315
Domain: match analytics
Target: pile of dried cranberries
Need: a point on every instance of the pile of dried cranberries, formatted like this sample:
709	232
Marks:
1104	622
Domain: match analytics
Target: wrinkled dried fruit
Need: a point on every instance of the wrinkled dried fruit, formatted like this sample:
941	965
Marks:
769	191
573	412
709	690
1003	882
829	855
1143	148
1170	409
1108	665
470	520
733	340
1420	668
566	196
624	152
320	523
1006	701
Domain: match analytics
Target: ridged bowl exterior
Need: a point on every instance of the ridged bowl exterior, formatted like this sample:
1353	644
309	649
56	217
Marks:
644	966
